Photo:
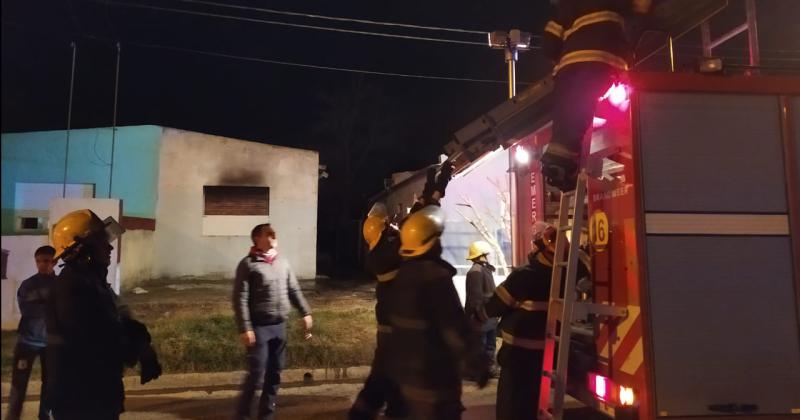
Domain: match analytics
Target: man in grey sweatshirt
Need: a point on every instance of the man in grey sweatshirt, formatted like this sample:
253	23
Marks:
265	289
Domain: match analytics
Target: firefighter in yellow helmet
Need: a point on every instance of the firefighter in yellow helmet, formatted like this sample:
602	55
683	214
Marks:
479	288
90	337
431	338
521	302
586	41
383	261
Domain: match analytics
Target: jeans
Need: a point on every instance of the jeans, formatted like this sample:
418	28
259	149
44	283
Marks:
265	360
24	356
489	338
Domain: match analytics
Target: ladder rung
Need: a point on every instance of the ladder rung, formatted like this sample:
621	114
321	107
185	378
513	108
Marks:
562	264
564	228
555	306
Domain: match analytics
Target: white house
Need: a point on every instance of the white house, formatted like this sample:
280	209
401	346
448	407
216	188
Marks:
188	200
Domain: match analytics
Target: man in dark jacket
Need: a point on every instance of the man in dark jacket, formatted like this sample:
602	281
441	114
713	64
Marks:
431	340
32	339
87	334
264	291
383	261
479	288
586	40
521	301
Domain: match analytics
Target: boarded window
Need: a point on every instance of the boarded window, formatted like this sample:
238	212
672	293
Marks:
224	200
29	223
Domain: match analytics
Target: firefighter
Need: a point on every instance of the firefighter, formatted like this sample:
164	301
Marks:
479	288
587	43
90	337
521	303
431	338
383	260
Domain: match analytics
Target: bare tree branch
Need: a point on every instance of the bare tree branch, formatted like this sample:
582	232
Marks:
479	225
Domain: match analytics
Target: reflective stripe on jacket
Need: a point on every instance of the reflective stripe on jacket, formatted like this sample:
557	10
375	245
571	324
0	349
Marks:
522	302
590	31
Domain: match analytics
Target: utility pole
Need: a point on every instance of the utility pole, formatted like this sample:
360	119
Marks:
114	121
511	42
74	48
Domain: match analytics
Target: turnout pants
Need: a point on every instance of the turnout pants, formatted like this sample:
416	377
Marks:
520	380
577	89
24	356
265	360
436	410
378	389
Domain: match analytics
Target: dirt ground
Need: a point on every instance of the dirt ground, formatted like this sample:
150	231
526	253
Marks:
175	298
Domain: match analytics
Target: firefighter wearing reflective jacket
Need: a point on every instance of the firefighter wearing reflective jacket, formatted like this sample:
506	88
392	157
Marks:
431	339
383	260
90	337
521	303
586	41
479	288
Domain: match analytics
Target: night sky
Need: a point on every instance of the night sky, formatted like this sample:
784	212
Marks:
405	121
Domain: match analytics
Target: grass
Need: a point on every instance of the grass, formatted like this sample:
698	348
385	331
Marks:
342	338
194	331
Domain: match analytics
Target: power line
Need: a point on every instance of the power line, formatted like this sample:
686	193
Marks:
334	18
293	25
317	67
278	62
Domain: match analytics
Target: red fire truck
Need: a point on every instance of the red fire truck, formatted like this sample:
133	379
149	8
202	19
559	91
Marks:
693	209
694	215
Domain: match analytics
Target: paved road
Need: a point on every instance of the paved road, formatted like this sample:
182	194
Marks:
321	401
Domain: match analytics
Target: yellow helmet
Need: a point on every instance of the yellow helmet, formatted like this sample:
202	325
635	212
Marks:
478	248
372	230
420	231
77	225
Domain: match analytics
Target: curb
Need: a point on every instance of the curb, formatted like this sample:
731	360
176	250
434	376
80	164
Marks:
179	382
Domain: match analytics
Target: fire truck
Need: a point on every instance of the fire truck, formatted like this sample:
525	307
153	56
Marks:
692	209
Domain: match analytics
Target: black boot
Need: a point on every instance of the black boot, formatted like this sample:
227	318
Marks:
559	170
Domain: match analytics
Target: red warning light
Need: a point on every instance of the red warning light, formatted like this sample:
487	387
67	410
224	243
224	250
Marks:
618	95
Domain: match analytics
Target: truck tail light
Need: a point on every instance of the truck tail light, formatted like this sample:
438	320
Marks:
608	392
600	386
